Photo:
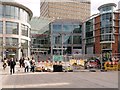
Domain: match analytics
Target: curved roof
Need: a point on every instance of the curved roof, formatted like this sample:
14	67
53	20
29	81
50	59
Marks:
37	23
108	4
13	3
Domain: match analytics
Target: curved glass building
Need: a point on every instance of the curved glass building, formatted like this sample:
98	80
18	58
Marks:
101	31
14	29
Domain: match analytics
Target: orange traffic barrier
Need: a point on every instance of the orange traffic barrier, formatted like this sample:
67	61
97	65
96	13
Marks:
111	66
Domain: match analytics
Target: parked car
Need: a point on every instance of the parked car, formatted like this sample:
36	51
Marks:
93	64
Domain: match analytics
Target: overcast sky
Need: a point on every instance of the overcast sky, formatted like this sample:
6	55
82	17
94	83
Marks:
34	5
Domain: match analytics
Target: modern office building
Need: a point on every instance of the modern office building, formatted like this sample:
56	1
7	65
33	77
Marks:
102	31
66	37
55	37
65	9
14	29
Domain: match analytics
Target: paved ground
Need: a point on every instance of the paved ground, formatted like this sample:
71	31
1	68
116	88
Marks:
59	79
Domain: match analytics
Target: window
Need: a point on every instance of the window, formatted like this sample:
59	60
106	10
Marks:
58	40
24	15
67	28
89	34
77	40
1	41
107	37
77	28
57	28
16	13
67	39
89	26
11	12
106	20
24	29
1	27
12	28
1	11
89	40
11	41
106	9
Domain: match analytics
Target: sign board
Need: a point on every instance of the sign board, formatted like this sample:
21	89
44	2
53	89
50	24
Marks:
57	58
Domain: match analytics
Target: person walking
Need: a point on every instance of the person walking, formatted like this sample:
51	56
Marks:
12	64
21	61
27	65
32	65
4	64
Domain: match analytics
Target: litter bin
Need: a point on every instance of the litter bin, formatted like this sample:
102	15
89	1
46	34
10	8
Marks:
57	68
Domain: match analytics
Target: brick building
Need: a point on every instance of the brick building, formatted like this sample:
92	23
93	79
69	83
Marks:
101	31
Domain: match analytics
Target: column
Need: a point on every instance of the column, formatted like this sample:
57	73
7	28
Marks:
19	49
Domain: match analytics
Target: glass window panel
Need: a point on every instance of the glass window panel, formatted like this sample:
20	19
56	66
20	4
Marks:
1	41
7	11
67	28
106	20
57	39
12	13
77	40
57	28
12	28
11	41
67	39
91	40
24	30
16	13
26	16
1	10
89	34
21	14
108	37
77	28
89	25
1	27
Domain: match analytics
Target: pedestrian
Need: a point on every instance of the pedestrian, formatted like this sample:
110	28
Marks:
20	61
4	63
27	65
23	65
12	64
32	65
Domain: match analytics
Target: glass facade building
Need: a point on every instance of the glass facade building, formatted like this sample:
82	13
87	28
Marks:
14	30
101	31
66	37
51	37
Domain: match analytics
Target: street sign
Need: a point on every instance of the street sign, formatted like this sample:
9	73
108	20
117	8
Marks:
57	58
